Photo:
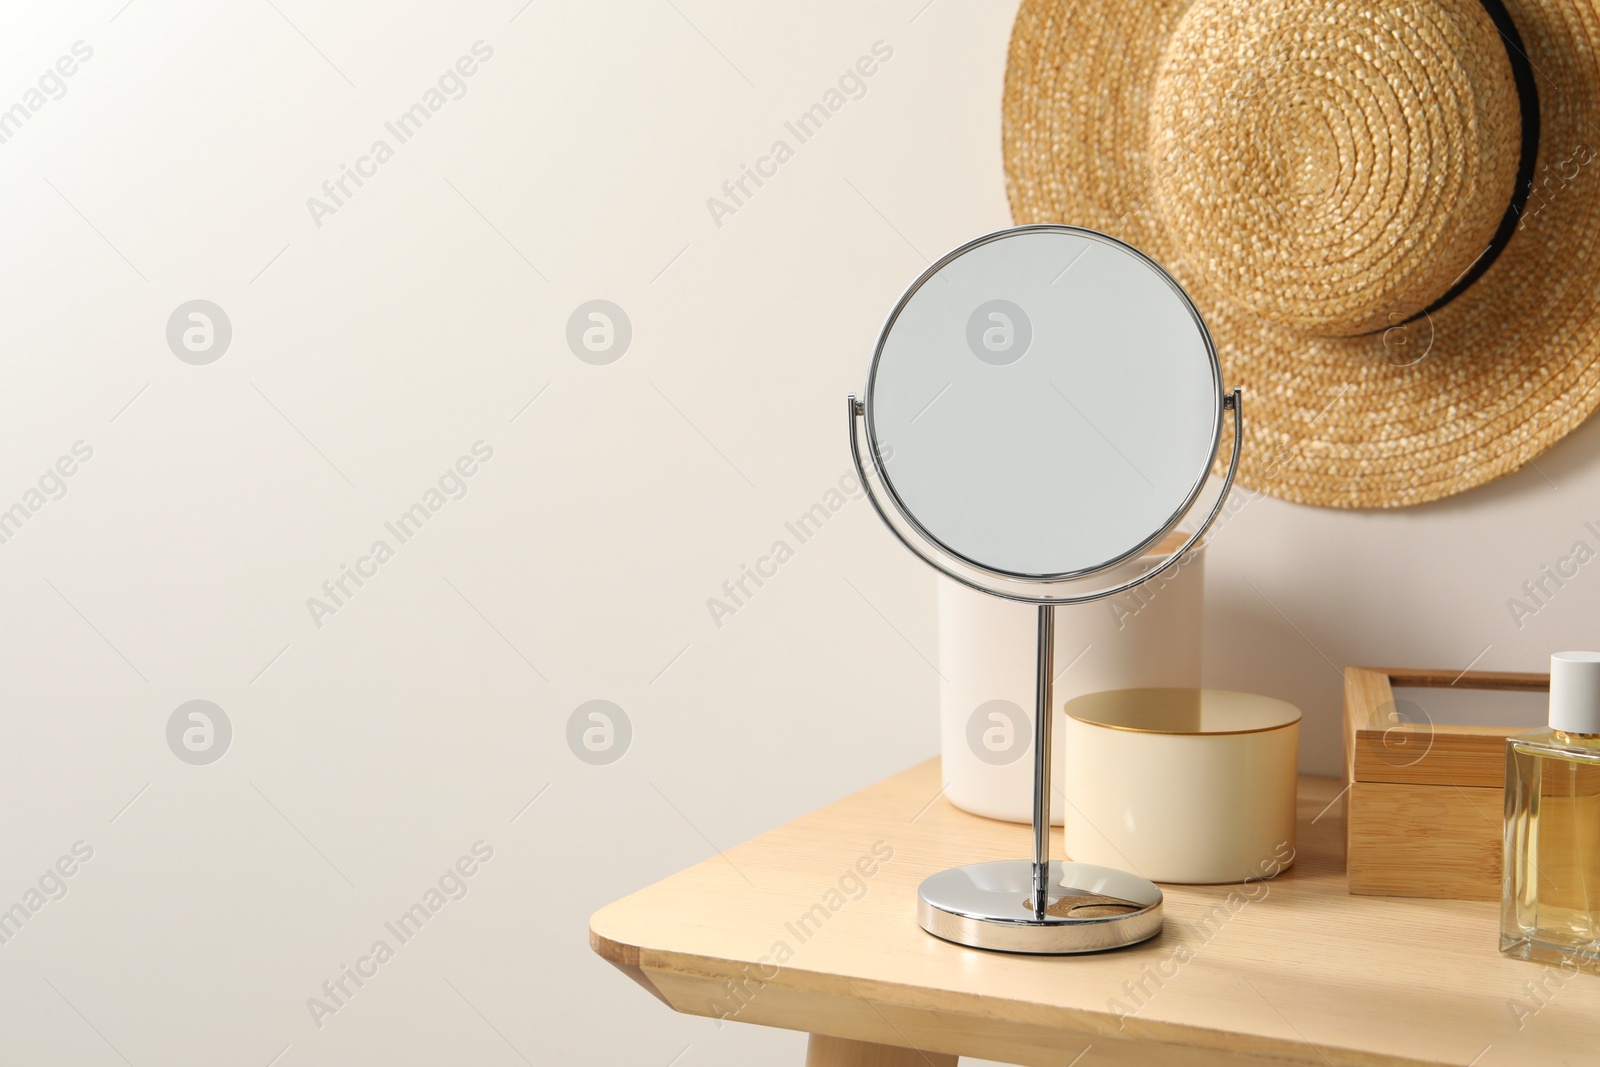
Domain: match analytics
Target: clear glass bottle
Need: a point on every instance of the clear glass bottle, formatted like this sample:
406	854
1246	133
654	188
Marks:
1550	906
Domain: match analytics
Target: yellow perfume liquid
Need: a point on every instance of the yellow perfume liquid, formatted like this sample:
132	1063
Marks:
1550	910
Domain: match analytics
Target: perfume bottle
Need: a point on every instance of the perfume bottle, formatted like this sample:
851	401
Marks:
1550	905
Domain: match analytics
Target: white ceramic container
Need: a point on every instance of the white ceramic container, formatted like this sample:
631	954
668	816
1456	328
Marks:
986	653
1181	785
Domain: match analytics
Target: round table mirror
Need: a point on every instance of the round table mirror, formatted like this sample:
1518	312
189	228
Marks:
1051	402
1043	407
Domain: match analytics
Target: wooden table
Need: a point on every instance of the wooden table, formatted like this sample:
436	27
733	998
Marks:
813	927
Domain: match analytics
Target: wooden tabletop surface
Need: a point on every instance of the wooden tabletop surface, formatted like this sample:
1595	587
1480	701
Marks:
813	927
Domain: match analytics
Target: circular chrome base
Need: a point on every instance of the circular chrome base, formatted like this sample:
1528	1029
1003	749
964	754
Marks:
990	906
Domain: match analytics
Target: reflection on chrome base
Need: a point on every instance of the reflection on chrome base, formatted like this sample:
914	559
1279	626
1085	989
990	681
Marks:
990	906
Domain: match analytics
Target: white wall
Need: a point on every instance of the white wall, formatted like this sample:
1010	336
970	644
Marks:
368	353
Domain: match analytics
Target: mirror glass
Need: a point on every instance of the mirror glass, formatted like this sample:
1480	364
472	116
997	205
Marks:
1046	402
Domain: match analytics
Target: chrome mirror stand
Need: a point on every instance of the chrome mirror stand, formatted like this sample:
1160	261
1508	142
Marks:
1037	906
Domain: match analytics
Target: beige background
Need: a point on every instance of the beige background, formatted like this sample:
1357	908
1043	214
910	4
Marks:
367	355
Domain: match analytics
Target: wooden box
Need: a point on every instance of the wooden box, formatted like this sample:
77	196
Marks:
1425	782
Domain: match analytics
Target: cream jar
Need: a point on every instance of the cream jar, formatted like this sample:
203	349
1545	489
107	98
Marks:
1181	785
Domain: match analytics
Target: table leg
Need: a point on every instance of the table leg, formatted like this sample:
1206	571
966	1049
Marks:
827	1051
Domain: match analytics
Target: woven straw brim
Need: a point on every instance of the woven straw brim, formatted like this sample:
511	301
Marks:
1474	390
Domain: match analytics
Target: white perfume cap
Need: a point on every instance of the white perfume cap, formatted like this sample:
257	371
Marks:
1575	692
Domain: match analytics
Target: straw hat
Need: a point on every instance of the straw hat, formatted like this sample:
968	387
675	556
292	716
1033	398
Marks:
1343	187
